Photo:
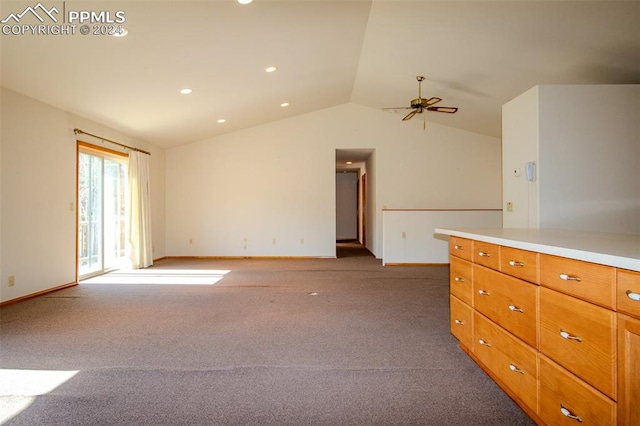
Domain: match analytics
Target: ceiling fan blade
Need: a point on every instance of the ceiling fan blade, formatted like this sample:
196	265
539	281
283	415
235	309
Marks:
399	108
411	114
432	101
449	110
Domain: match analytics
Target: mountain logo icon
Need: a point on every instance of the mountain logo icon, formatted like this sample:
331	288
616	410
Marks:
38	11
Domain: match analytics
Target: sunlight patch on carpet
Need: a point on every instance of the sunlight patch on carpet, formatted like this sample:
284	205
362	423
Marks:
161	277
19	388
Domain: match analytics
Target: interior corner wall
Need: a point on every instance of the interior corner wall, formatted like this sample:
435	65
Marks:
270	190
38	193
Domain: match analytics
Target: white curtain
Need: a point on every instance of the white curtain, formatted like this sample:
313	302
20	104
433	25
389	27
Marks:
139	210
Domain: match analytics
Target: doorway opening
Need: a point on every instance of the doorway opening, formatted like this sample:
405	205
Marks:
353	229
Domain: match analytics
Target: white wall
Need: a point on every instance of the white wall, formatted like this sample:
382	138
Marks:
519	146
346	206
277	181
585	140
408	234
590	157
38	191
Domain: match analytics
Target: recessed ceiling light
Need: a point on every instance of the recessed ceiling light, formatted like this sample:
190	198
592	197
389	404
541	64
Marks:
271	69
222	120
285	104
244	1
349	162
123	32
186	91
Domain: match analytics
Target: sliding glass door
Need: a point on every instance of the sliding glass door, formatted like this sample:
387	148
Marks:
102	178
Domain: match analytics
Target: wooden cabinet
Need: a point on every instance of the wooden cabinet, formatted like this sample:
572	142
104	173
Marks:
588	281
511	360
460	279
566	400
460	247
581	337
522	264
628	293
461	321
486	254
561	336
509	302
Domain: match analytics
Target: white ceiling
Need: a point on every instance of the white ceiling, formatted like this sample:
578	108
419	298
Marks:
475	55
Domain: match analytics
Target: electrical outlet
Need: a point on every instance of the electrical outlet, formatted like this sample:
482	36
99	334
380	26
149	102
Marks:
12	280
273	241
190	241
301	240
509	206
404	235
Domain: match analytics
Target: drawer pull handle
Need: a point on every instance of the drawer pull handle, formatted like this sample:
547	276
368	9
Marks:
484	343
484	293
567	277
515	309
633	296
457	247
515	263
458	280
483	254
569	336
565	412
459	322
515	369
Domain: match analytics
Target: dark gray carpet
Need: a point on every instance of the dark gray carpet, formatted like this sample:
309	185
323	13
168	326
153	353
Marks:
276	342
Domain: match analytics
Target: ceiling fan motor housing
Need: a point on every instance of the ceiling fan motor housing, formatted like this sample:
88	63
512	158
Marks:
419	103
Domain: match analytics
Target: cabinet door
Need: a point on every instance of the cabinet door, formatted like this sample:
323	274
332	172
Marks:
581	337
628	370
629	292
567	400
460	321
510	302
587	281
513	362
460	279
461	247
522	264
486	254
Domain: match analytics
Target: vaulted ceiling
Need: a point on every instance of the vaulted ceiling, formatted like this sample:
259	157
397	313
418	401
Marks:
475	55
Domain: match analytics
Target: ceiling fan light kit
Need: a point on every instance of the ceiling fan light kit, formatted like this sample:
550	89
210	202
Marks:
420	104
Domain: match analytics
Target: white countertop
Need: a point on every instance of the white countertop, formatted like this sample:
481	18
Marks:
618	250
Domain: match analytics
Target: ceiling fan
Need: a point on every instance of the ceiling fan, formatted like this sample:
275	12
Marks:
420	104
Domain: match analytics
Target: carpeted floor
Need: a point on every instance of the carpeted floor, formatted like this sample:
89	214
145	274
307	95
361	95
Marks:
341	341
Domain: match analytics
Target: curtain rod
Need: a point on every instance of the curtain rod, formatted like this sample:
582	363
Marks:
76	131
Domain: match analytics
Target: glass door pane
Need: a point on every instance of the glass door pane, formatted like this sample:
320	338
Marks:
114	213
90	214
101	214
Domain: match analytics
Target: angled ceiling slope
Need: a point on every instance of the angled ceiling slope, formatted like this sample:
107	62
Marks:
475	55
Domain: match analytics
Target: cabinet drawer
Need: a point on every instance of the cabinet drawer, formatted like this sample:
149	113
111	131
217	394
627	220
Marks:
581	337
460	321
460	279
461	247
562	394
628	292
486	254
588	281
513	362
522	264
508	301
